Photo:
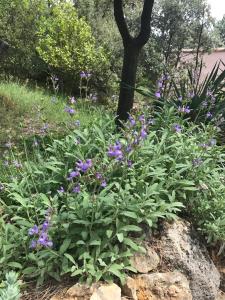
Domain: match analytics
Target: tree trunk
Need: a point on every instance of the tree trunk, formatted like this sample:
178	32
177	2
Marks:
132	48
127	85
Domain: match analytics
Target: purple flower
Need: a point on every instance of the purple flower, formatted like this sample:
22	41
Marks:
103	183
82	74
157	94
73	174
61	190
142	119
115	151
143	133
33	244
177	128
83	166
98	175
72	100
76	189
209	115
129	163
160	84
45	226
197	162
44	240
93	97
70	110
184	109
132	121
34	230
180	98
129	148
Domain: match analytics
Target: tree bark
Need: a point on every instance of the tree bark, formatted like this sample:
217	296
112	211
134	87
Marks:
132	48
128	79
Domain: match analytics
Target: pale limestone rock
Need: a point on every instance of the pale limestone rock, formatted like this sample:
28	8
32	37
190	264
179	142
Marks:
107	292
144	263
159	286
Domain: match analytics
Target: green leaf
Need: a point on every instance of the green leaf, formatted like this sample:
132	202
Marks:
15	265
120	237
70	257
64	246
132	244
109	233
130	228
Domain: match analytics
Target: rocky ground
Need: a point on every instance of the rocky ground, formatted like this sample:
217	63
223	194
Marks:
176	266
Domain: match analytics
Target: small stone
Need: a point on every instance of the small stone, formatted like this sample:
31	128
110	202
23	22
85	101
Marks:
220	296
159	286
107	292
129	288
79	290
146	262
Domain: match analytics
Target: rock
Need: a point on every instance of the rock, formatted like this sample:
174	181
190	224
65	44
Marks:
147	262
130	288
79	290
107	292
222	277
158	286
220	296
181	249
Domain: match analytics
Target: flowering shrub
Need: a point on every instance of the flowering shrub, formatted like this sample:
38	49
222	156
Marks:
79	206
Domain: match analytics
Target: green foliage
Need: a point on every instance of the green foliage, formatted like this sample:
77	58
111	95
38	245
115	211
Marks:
65	41
18	26
95	232
10	289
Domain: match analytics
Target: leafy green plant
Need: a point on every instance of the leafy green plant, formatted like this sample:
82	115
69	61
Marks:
10	288
80	205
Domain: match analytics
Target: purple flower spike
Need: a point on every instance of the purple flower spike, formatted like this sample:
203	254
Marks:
70	110
73	100
61	190
103	183
98	175
33	244
76	189
44	240
34	230
197	162
132	121
209	115
143	134
82	74
129	163
83	166
73	174
142	119
45	226
177	128
157	94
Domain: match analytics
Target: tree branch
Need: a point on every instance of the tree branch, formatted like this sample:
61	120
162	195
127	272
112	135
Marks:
144	34
120	21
